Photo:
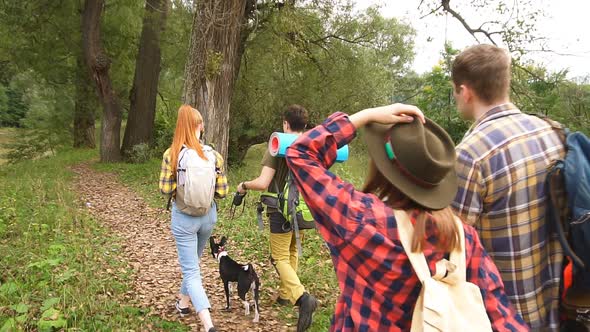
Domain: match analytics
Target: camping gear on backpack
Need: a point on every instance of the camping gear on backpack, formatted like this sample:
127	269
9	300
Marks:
195	181
279	142
447	302
568	185
291	206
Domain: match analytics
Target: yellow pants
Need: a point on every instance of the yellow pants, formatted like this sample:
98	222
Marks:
283	250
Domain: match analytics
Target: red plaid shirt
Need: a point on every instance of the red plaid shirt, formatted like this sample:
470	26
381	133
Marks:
378	286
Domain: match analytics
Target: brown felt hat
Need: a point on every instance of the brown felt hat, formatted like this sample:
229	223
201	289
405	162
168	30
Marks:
419	160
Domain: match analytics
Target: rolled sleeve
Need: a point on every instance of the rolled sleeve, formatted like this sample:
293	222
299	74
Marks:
221	184
167	181
468	203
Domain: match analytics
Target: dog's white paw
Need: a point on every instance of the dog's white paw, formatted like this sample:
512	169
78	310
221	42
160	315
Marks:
256	315
246	308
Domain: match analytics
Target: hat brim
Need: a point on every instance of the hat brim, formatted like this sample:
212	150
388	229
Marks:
435	198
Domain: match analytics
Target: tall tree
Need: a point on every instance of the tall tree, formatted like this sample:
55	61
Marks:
98	65
84	129
140	123
213	64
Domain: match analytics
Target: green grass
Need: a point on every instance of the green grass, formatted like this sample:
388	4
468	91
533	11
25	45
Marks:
246	242
58	268
6	136
55	257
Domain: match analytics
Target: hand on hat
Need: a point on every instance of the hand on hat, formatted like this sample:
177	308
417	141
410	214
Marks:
390	114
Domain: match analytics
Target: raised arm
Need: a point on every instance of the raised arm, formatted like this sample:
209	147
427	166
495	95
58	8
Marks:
333	202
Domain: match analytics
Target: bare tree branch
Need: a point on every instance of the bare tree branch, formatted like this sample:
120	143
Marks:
445	4
431	12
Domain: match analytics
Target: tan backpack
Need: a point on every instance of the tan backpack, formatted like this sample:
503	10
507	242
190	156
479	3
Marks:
447	302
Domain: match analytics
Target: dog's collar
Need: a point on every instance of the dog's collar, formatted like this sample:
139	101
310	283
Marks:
221	254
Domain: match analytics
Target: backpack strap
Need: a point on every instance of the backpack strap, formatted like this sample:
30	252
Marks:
405	230
291	203
181	155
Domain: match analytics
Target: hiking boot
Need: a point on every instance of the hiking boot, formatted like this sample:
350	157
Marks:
283	302
307	305
182	311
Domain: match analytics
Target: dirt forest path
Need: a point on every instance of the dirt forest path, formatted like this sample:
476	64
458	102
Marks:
149	249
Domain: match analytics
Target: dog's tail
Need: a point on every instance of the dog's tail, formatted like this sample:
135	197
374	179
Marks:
250	269
251	273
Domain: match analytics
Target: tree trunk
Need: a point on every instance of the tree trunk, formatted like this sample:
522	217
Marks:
140	124
84	130
213	64
98	65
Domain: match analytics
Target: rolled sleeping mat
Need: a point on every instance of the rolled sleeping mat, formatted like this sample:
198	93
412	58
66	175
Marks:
279	142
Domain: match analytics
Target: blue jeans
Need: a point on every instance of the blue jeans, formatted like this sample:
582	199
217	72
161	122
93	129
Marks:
191	234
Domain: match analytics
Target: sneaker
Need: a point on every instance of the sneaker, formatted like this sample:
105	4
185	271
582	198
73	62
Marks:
307	306
182	311
283	302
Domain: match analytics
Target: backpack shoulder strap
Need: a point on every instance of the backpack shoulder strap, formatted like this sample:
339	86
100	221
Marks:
293	197
405	230
181	154
458	255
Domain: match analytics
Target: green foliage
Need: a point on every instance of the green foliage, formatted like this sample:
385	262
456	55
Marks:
12	107
51	319
538	91
140	153
54	256
164	128
174	45
432	92
40	43
48	126
321	55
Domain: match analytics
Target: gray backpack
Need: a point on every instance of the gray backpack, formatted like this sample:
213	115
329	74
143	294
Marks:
195	181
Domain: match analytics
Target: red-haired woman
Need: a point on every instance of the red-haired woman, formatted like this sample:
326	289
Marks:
191	233
410	184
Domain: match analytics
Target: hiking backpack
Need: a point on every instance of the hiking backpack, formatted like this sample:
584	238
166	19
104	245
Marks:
294	207
568	185
290	204
447	302
195	180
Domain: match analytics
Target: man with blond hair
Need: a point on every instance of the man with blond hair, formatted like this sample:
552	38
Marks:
502	165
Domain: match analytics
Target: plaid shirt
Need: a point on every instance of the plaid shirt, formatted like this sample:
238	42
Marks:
168	181
379	288
502	163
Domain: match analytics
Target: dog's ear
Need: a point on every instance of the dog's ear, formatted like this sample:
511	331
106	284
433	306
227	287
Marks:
212	241
223	241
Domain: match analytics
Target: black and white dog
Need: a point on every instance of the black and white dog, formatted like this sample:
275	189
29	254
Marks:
230	271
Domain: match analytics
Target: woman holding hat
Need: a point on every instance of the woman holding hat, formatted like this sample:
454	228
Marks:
411	178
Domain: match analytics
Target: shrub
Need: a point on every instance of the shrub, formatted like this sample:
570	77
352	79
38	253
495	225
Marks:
140	153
